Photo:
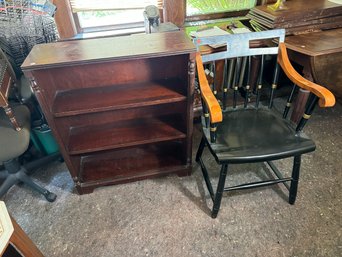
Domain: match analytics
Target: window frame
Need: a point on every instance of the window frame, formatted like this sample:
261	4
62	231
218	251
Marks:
171	11
104	28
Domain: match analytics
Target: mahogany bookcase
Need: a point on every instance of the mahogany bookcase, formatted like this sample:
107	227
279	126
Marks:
120	108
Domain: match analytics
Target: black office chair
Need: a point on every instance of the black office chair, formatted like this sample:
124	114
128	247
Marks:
15	127
252	130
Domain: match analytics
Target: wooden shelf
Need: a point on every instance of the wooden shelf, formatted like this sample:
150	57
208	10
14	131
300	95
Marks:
120	111
132	163
124	134
116	97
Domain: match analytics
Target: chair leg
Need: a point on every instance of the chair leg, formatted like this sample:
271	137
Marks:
22	176
17	173
295	179
219	191
200	149
3	174
207	179
10	181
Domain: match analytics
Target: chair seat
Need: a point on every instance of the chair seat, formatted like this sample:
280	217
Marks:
14	143
253	135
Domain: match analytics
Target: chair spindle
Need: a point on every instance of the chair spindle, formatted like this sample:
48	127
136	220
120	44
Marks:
274	84
243	70
231	66
312	101
236	80
259	83
213	134
289	101
213	75
205	113
248	83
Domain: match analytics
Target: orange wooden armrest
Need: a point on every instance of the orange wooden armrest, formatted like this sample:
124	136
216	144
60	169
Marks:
326	98
207	95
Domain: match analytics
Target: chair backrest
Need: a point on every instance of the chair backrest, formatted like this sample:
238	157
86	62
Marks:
246	60
6	82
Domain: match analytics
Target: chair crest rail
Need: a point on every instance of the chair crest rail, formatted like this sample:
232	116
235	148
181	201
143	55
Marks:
239	44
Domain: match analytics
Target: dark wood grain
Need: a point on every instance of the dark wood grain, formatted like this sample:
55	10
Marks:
105	49
328	72
124	134
174	11
301	10
316	43
116	97
5	85
111	98
6	82
117	116
298	16
23	243
320	55
64	19
123	163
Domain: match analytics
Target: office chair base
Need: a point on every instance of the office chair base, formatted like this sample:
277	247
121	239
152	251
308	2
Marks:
21	176
14	174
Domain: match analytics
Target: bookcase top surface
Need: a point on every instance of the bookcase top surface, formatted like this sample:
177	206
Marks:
107	49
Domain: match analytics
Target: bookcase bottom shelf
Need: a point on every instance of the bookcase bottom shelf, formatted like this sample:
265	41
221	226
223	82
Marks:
131	164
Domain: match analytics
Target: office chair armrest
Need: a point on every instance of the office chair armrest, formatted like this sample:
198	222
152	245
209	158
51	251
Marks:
206	93
326	98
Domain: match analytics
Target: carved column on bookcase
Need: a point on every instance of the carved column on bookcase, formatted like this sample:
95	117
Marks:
191	88
175	11
191	72
34	86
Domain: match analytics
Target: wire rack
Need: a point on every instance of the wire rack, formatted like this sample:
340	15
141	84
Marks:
23	24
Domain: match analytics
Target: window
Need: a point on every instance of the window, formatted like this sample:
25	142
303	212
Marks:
102	15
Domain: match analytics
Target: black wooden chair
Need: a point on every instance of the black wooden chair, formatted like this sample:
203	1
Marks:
251	129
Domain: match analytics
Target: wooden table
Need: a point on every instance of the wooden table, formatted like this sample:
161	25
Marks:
320	54
13	238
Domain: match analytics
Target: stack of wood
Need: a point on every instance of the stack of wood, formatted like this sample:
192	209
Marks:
298	16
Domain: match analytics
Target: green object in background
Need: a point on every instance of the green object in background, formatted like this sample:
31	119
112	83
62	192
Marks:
196	7
43	140
223	24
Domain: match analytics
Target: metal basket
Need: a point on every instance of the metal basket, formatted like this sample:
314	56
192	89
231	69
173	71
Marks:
24	24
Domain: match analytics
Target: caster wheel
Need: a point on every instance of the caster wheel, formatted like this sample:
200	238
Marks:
51	197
